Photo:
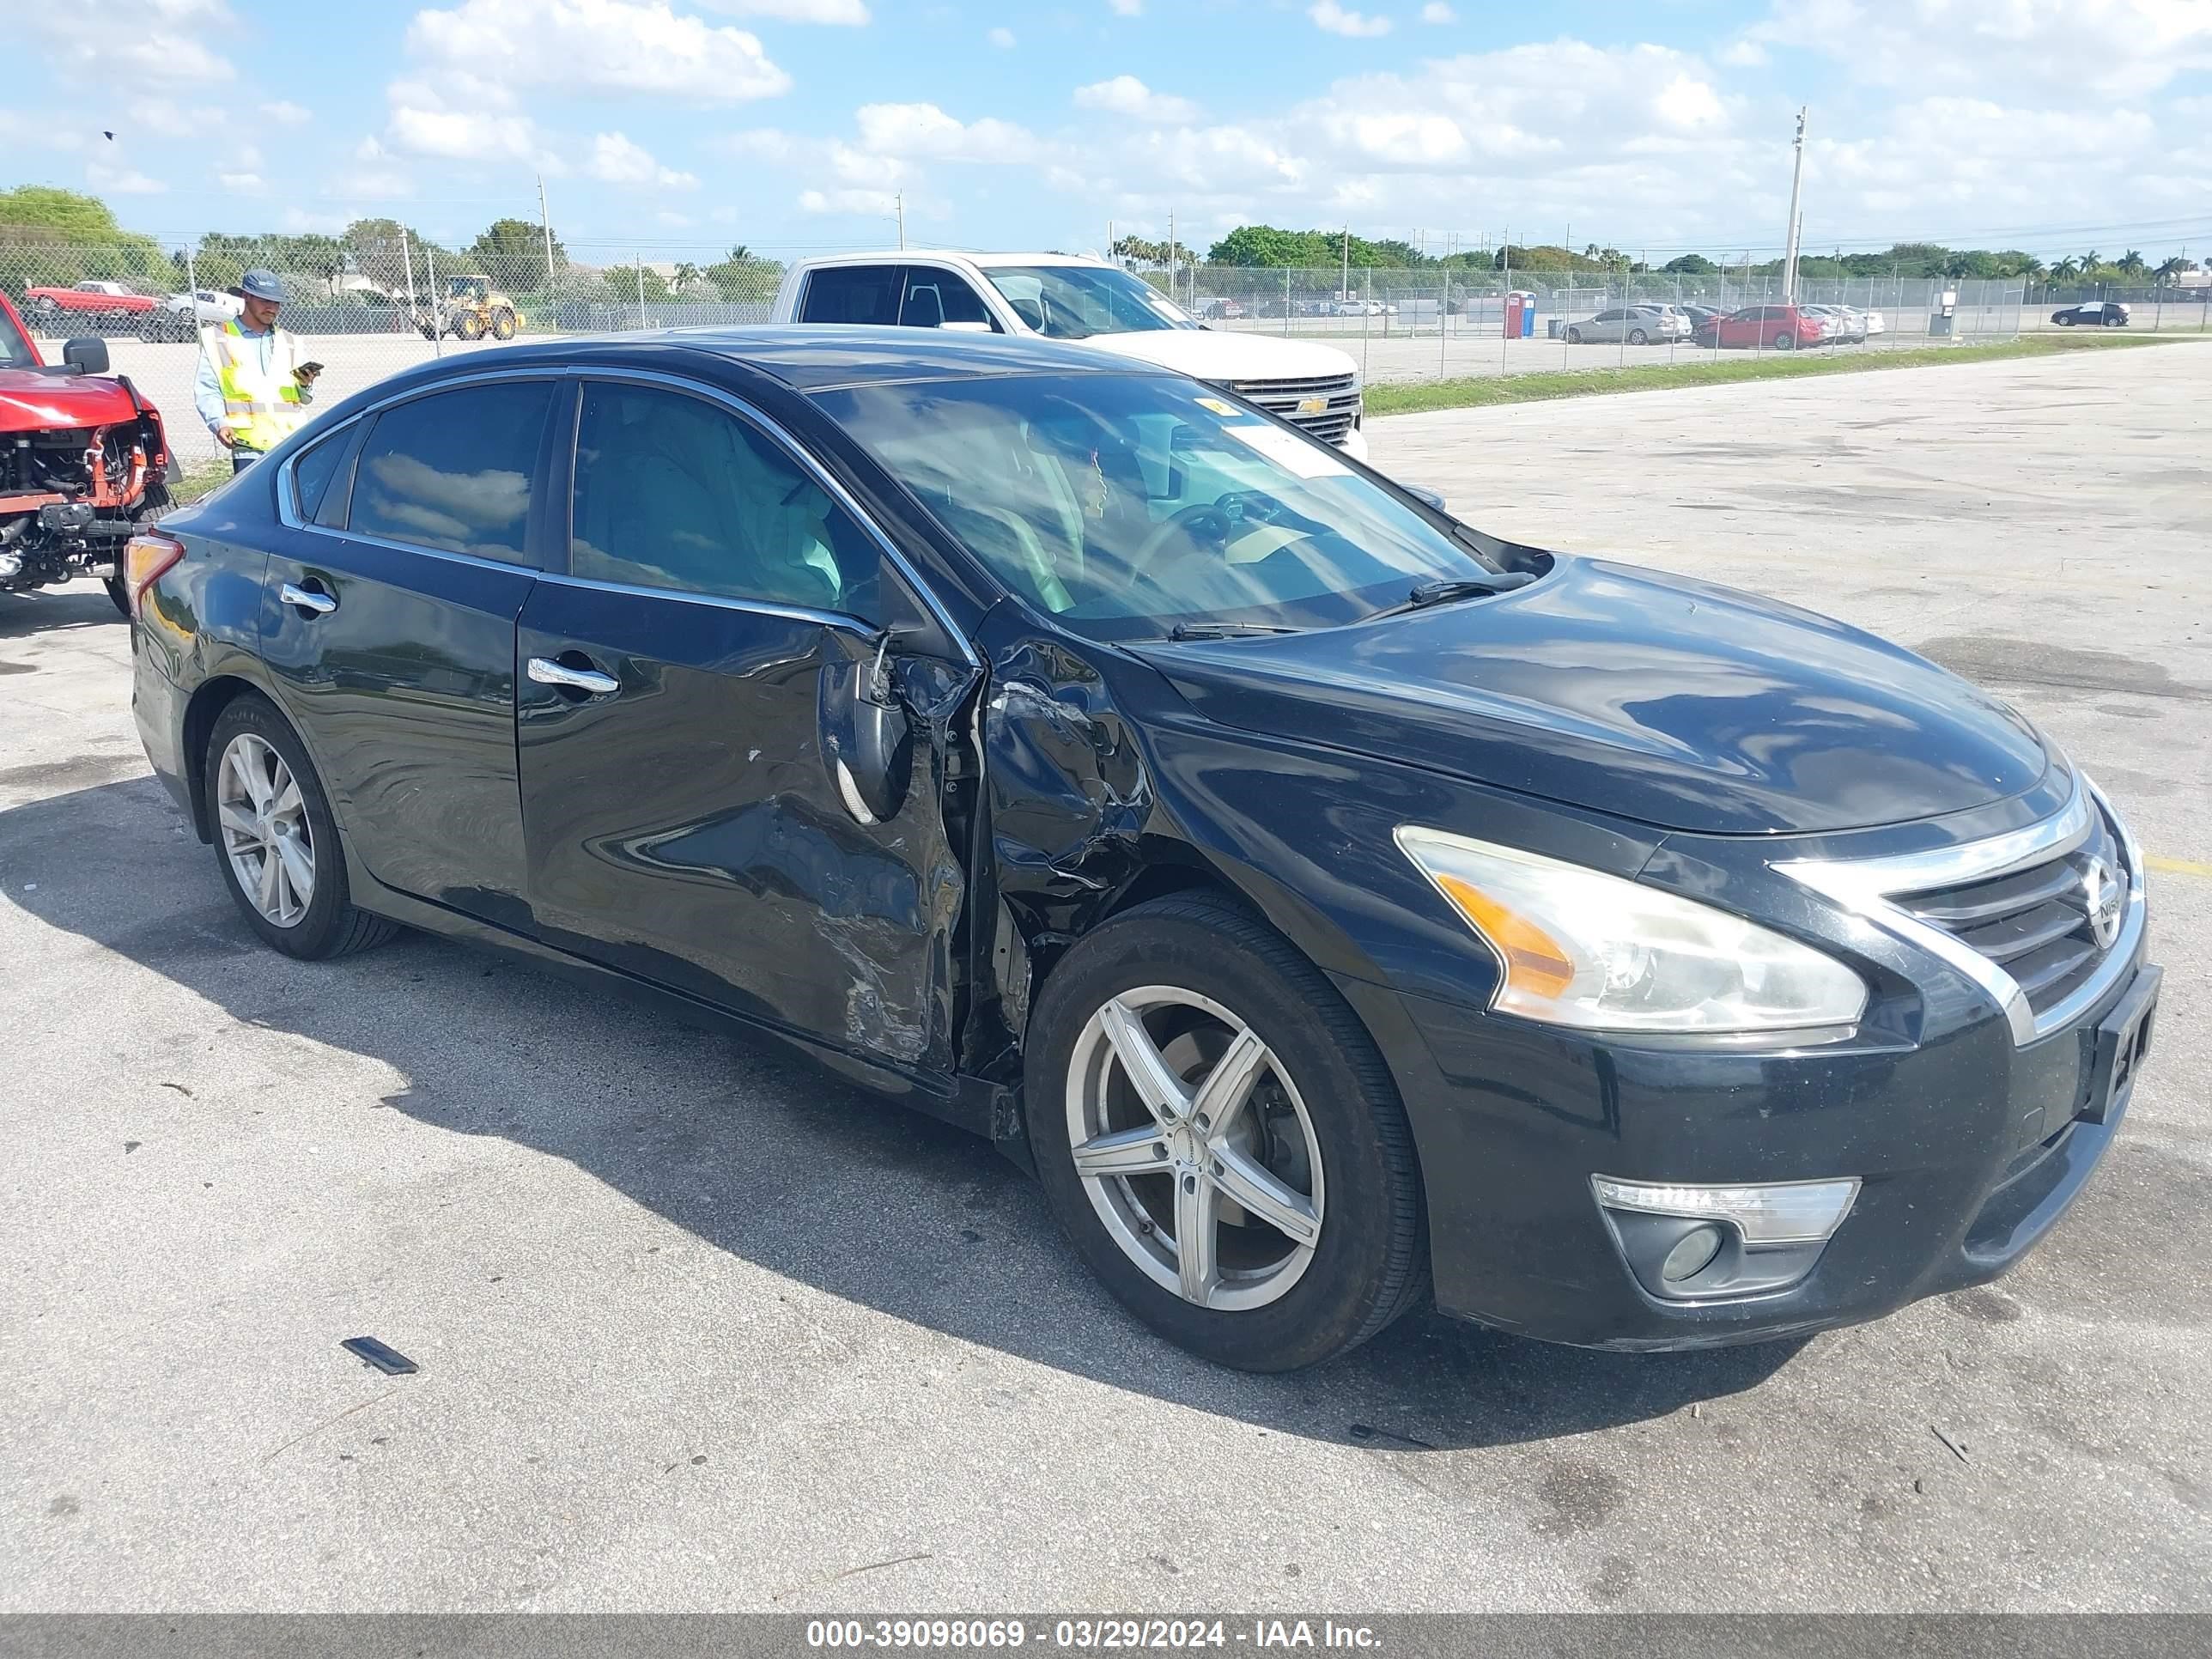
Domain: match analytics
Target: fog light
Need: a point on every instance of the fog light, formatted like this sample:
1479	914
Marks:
1694	1255
1777	1212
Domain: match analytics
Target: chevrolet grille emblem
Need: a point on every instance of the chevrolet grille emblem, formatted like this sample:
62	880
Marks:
1313	405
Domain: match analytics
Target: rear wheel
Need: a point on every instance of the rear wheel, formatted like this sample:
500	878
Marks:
502	324
1231	1161
468	326
1637	336
1785	341
275	839
2115	322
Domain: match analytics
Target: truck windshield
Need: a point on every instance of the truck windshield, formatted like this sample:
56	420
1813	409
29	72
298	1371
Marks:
1131	505
15	349
1073	302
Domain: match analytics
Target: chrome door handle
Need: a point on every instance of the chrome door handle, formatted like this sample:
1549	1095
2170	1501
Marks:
307	599
546	671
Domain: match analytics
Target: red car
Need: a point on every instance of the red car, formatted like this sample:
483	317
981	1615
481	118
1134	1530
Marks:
91	299
1767	328
83	462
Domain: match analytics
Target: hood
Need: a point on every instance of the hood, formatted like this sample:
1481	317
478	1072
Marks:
1673	703
1205	354
32	402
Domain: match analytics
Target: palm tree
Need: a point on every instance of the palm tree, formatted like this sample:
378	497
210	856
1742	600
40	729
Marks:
2168	272
2090	261
2131	262
687	277
2066	270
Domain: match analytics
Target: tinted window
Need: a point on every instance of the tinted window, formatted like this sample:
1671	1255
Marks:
313	472
453	470
1071	302
852	293
674	492
933	297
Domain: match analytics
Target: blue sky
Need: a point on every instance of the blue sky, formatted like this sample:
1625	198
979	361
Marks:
668	125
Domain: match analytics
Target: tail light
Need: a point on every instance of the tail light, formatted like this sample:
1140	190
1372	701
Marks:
145	556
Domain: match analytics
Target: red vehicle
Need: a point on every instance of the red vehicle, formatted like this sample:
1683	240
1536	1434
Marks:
1767	328
83	462
88	298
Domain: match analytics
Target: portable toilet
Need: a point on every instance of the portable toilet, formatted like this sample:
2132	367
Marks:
1520	314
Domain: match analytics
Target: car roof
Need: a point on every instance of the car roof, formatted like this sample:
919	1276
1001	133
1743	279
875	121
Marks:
805	357
982	261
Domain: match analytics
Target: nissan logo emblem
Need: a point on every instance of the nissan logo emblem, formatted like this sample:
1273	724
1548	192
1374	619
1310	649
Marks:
2104	898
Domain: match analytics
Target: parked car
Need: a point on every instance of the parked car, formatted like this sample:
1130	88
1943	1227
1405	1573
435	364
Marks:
1841	323
181	316
1635	325
1770	328
1060	297
87	298
83	462
1224	310
2092	313
1699	315
1875	321
1333	903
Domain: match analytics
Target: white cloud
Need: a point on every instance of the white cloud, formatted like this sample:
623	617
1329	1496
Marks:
121	181
1744	54
674	221
1127	8
141	44
851	13
873	202
1437	12
593	46
463	135
1125	95
285	113
1687	102
242	184
617	160
1003	38
924	130
372	184
1334	19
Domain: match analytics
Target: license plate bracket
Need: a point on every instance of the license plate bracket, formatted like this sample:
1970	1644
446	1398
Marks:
2122	1043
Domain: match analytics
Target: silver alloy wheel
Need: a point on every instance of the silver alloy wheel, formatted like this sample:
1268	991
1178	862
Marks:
1195	1148
266	836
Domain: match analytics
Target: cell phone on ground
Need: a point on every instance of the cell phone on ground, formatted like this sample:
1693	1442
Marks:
389	1360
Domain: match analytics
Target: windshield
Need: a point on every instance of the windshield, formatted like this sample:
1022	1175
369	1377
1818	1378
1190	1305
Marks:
14	348
1073	302
1126	506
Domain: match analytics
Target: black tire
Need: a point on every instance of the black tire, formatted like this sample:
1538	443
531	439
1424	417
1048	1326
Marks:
1574	337
1370	1263
1785	341
117	592
331	926
2064	322
1637	336
502	324
2115	322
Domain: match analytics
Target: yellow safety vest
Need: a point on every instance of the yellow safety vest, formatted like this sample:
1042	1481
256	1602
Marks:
260	410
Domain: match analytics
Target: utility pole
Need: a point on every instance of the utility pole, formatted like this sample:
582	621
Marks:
546	220
1796	185
1347	293
1171	254
899	205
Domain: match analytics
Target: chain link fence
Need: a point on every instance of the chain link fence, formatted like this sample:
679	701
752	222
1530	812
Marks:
366	309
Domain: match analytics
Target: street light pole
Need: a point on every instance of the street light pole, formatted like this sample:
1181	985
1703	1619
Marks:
1796	184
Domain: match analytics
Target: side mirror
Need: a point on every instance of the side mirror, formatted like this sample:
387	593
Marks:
867	742
87	355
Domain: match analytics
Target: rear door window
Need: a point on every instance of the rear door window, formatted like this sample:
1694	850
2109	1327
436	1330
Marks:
852	293
935	297
313	472
455	470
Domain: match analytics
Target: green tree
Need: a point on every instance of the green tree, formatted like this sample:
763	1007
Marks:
686	278
2170	270
514	250
746	276
50	237
1691	265
2131	262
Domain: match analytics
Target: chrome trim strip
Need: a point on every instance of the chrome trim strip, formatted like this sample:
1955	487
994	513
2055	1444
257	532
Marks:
837	619
820	474
1868	887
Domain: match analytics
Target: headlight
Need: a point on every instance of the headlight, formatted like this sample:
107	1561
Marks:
1590	951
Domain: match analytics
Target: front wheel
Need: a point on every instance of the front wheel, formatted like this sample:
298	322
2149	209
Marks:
1220	1139
1574	337
1785	341
276	839
1637	336
2064	322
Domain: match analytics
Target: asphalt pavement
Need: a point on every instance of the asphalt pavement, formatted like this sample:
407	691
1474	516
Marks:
699	1327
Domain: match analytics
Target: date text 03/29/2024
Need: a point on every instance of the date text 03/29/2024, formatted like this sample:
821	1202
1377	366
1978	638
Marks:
1087	1634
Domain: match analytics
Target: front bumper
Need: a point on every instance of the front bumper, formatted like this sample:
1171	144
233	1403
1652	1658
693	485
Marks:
1969	1149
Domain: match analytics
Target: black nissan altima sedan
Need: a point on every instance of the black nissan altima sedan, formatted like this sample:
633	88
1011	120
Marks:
1335	904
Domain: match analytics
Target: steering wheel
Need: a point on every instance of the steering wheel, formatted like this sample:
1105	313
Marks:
1201	523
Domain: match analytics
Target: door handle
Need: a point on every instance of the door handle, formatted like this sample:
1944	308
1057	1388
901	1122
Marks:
307	598
546	671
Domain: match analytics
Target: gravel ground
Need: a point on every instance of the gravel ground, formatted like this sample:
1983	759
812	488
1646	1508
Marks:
699	1328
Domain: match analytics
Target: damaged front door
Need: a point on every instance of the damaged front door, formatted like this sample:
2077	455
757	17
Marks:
731	773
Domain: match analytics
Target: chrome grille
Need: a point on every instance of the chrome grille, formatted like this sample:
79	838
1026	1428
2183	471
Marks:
2034	922
1337	394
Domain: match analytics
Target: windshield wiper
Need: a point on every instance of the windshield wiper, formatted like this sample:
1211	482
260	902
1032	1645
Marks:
1225	630
1426	594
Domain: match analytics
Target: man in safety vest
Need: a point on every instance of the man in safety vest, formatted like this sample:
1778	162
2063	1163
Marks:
252	389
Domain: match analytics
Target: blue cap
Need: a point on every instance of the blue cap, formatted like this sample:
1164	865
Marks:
260	284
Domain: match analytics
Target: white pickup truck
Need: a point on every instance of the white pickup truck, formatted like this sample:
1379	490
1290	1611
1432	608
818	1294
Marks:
1063	297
